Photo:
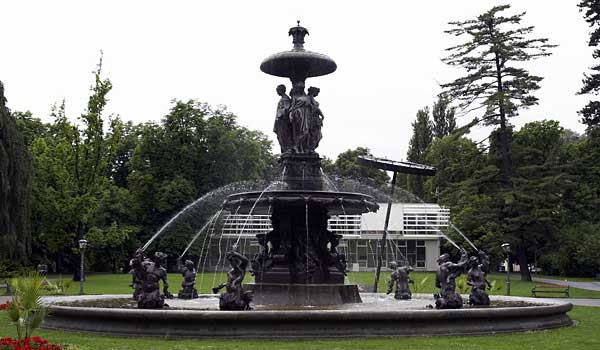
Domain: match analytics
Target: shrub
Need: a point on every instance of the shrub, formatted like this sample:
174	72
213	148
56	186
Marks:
25	310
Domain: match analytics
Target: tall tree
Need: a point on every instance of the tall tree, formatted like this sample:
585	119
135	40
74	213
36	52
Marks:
495	83
444	119
417	148
591	83
15	189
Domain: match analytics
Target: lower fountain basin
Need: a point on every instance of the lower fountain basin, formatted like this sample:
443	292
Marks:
378	315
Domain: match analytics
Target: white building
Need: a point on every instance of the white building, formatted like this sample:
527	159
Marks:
413	232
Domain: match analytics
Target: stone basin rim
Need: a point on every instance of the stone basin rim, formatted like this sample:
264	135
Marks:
308	324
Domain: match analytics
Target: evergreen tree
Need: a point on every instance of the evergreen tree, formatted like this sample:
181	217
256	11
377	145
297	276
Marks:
591	83
496	86
417	148
444	119
495	83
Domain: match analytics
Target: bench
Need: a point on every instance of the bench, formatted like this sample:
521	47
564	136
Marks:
5	286
548	288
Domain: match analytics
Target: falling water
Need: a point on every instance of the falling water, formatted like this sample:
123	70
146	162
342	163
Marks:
252	209
206	257
170	221
220	250
465	237
207	204
282	177
205	246
331	185
208	223
447	238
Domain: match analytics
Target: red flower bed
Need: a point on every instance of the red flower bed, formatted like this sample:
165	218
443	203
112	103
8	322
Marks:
4	306
33	343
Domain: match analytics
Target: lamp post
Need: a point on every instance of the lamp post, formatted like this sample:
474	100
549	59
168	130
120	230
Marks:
82	245
506	248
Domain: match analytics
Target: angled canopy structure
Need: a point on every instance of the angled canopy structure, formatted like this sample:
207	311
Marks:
396	166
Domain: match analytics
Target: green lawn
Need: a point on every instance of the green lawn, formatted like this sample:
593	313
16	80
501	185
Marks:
584	336
424	283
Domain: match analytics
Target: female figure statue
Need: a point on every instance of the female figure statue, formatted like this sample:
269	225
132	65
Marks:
307	120
283	126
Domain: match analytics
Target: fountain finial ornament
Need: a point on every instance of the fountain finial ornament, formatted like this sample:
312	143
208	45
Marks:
298	33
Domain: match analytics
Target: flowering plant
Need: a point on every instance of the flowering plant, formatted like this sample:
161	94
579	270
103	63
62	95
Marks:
4	306
33	343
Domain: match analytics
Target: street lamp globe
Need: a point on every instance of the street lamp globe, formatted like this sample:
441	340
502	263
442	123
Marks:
506	247
83	243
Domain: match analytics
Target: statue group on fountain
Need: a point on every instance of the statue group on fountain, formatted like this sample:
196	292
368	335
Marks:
146	276
400	279
446	275
298	120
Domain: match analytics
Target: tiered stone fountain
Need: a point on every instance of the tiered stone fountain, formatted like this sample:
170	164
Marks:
299	262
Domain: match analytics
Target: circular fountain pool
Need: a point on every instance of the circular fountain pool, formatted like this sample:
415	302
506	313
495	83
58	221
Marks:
378	315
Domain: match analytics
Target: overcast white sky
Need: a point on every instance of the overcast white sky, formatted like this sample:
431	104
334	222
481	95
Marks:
388	56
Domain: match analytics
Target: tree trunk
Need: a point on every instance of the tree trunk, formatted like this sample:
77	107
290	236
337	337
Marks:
524	264
506	167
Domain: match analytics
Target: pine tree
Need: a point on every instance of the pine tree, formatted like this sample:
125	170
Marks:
417	148
444	119
591	83
495	84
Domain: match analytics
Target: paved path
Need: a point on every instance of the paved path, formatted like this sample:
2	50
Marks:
595	286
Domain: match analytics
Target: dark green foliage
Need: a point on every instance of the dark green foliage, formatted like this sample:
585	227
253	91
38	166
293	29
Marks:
15	189
444	119
417	148
591	82
547	215
346	166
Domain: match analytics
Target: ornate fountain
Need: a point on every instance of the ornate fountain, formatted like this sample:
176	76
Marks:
299	262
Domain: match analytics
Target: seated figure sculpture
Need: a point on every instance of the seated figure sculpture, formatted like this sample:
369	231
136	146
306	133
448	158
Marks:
445	279
150	273
477	280
235	298
188	284
401	280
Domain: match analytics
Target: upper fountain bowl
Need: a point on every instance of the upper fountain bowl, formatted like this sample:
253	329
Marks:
304	63
298	64
336	203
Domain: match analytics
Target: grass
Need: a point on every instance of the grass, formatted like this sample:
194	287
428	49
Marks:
584	336
424	283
